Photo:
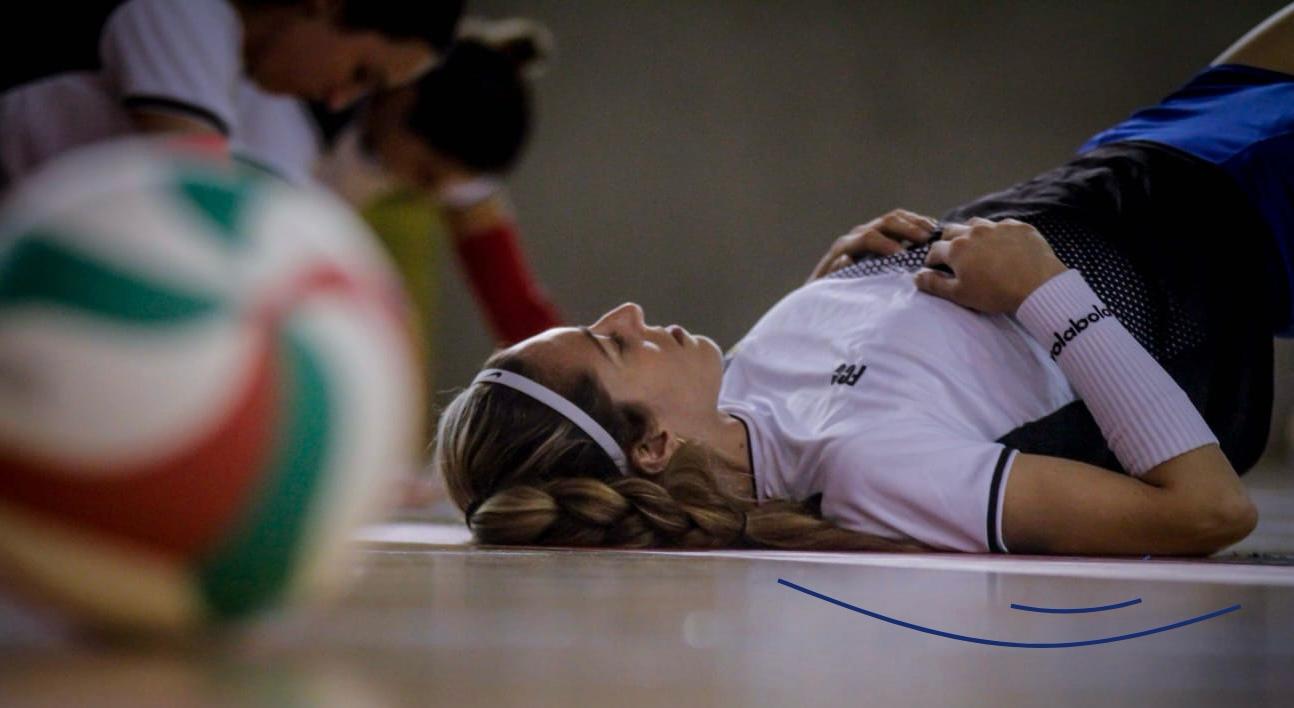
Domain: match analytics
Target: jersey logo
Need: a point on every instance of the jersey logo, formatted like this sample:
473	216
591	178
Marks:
848	374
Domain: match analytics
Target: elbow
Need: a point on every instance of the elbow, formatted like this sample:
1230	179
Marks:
1227	522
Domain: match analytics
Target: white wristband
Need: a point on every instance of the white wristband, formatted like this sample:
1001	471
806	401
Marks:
1145	416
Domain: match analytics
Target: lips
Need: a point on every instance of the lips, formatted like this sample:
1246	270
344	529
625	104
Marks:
678	333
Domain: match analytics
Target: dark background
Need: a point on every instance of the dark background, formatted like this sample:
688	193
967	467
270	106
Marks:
698	157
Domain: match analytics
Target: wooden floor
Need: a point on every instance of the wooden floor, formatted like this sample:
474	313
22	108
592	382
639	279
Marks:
433	622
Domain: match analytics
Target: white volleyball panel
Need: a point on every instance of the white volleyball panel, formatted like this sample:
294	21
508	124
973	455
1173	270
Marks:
291	231
95	393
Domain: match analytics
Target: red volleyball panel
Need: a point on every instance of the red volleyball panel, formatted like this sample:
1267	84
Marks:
175	505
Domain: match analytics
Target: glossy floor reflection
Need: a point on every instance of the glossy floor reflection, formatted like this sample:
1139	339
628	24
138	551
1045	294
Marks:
431	621
432	624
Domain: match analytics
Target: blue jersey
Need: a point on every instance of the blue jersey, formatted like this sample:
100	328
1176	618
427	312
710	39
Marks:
1240	118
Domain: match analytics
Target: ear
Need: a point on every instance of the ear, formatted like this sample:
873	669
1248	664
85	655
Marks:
653	452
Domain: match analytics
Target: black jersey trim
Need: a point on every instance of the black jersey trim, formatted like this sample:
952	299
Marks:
994	542
750	453
170	105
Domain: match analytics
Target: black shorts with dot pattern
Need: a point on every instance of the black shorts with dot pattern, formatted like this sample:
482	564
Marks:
1169	243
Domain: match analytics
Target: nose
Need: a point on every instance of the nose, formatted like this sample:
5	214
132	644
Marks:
632	312
627	316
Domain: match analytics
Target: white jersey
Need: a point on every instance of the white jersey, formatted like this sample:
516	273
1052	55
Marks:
889	403
176	56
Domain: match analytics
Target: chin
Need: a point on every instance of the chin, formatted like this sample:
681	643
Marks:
713	347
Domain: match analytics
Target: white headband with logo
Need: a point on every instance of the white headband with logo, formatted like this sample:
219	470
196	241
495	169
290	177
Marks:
555	401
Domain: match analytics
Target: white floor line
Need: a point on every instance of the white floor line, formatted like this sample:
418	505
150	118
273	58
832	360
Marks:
1152	570
415	532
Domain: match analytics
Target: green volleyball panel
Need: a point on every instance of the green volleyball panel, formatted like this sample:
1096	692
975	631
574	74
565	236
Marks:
252	569
38	269
220	197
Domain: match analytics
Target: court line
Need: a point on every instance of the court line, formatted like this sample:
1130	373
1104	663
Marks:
409	535
1000	643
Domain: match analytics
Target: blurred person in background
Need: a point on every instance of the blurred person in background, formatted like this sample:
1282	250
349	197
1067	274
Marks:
437	151
218	68
425	164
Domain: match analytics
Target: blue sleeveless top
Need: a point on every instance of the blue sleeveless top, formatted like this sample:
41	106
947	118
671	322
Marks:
1240	118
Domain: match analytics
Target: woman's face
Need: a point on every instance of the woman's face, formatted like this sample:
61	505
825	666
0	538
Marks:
312	58
676	375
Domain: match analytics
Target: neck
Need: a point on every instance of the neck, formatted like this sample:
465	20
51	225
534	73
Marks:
731	441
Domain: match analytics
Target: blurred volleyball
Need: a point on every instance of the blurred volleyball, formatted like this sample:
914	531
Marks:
206	384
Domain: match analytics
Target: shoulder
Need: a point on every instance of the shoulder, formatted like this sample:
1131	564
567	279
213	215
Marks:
220	13
168	31
925	483
907	455
175	58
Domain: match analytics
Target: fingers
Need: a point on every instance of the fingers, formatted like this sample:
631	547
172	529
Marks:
988	266
866	243
938	284
949	232
873	241
849	247
900	224
830	263
884	236
823	266
909	225
938	277
922	220
939	253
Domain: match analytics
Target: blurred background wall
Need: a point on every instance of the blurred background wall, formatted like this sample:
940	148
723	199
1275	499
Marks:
697	157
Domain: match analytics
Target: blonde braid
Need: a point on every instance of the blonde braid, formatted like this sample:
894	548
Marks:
686	509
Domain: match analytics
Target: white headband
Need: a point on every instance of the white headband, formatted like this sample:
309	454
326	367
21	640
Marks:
555	401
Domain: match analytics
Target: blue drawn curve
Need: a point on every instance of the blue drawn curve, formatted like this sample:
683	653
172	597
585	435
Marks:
999	643
1074	610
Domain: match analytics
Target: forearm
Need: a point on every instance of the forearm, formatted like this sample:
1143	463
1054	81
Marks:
1144	415
490	253
1054	505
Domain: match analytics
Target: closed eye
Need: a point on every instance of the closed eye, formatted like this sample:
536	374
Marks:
596	341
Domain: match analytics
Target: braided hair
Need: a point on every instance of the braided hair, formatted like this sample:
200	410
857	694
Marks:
525	475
